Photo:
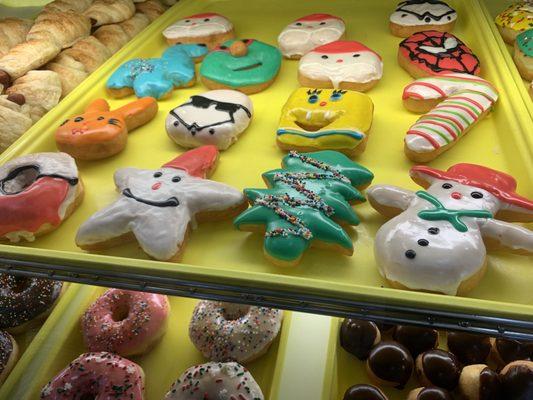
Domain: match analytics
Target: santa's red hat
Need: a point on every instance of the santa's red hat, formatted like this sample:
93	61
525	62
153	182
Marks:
343	46
203	15
317	17
198	162
500	184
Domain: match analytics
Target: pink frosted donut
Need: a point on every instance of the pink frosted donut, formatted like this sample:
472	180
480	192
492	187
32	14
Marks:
125	322
102	376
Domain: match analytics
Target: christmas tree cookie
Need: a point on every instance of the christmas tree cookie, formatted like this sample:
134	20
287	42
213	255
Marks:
304	204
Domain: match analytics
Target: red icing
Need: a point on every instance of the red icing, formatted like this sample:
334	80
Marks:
38	204
458	107
426	136
204	15
317	17
500	184
344	46
197	162
407	94
444	126
469	100
450	118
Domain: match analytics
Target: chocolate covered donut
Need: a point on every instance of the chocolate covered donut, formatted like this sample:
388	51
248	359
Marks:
469	348
429	393
416	339
8	354
507	350
364	392
358	337
390	363
479	382
517	380
438	368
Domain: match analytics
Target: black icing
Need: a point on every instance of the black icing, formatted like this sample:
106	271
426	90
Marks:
17	171
427	16
171	202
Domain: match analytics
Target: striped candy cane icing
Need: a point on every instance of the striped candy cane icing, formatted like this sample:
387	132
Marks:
467	98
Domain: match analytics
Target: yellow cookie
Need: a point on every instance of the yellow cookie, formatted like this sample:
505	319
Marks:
515	19
325	119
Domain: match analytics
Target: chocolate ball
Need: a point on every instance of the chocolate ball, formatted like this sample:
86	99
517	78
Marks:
469	348
416	339
390	363
364	392
358	337
438	368
517	380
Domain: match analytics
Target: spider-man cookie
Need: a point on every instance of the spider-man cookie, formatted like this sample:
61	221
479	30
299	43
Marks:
157	77
99	132
216	117
413	16
431	52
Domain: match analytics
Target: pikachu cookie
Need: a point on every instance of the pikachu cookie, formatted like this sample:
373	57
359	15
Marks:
325	119
99	132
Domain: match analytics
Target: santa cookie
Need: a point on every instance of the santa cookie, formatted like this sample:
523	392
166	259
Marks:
158	207
217	117
37	193
413	16
515	19
436	240
432	52
210	29
341	65
306	33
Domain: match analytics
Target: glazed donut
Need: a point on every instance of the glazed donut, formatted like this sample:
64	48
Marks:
97	376
215	381
125	322
25	301
233	332
505	351
9	354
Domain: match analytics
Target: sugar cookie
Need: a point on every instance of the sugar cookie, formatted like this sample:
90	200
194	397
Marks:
523	54
515	19
413	16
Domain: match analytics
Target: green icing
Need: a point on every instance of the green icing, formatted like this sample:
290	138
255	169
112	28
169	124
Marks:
441	213
525	42
260	65
305	200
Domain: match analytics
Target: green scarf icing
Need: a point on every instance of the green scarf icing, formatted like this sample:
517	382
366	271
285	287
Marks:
304	201
441	213
525	42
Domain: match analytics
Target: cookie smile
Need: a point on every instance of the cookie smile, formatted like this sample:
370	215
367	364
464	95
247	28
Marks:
248	67
170	202
314	120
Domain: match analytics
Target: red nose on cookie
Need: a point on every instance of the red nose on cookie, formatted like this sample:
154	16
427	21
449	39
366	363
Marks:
323	103
156	185
457	195
340	60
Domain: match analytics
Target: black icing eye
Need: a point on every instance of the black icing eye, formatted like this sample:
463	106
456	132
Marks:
447	186
357	55
187	20
433	230
422	242
322	23
176	123
404	15
410	254
158	175
78	119
176	179
113	121
207	20
428	20
476	195
212	131
64	122
449	18
298	24
223	47
99	118
325	57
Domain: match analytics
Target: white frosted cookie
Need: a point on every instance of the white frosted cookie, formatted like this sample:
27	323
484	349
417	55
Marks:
216	117
306	33
413	16
210	29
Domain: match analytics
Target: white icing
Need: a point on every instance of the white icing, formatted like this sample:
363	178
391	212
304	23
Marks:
197	27
434	14
342	67
160	231
300	37
511	236
220	381
225	133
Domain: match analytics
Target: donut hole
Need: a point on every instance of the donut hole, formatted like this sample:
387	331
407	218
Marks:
19	284
19	179
232	312
120	312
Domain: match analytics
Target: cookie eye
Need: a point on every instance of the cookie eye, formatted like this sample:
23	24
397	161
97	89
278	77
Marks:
476	195
298	24
176	123
356	55
337	95
158	175
410	254
325	57
78	119
99	118
322	23
404	15
207	20
428	20
187	20
312	99
113	121
212	131
447	186
176	179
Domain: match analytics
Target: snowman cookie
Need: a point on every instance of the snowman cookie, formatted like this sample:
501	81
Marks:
37	193
515	19
437	238
341	65
306	33
430	53
413	16
216	117
325	119
210	29
158	207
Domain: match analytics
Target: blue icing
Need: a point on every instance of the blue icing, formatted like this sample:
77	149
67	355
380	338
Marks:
156	77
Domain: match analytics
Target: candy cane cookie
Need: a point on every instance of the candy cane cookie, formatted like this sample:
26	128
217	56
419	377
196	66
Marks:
454	103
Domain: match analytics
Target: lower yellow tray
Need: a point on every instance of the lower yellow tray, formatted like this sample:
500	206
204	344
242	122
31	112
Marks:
60	341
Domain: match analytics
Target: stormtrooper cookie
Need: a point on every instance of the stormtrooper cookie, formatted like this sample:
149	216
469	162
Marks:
413	16
341	65
306	33
158	207
437	238
210	29
216	117
515	19
325	119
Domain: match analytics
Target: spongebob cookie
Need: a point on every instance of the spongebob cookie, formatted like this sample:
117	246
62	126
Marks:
325	119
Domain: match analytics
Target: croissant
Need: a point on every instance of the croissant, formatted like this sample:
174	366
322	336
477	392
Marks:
12	32
14	119
67	5
24	57
112	36
61	28
71	72
103	12
89	52
135	24
151	8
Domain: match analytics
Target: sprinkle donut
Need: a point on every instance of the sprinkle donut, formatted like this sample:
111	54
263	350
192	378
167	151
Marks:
125	322
97	376
216	381
24	301
9	353
233	332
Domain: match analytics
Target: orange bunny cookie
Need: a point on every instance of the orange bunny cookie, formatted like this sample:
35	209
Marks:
99	132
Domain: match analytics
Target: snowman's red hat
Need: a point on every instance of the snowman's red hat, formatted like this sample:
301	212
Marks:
500	184
198	162
317	17
344	46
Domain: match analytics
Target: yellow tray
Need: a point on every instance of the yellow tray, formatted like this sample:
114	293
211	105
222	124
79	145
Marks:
60	341
217	254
